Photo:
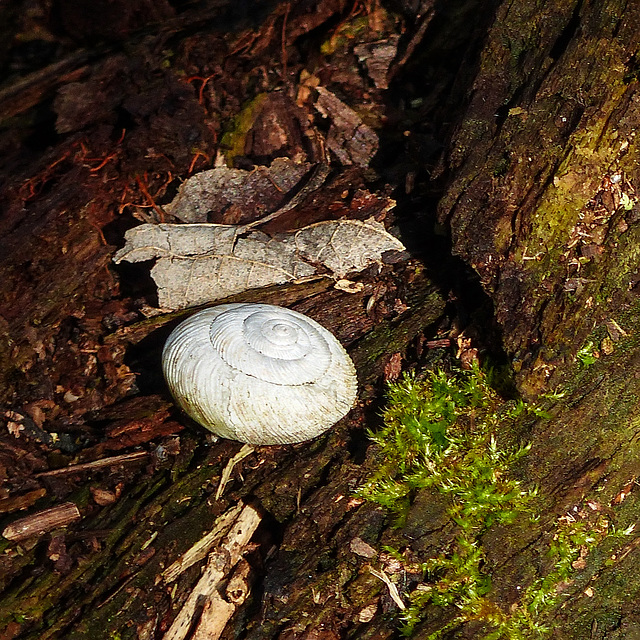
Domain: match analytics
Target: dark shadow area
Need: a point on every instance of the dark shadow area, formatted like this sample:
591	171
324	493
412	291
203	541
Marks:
423	101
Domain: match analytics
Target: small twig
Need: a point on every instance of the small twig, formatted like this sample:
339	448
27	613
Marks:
220	563
284	41
107	159
198	154
201	548
96	464
42	522
226	473
393	590
416	39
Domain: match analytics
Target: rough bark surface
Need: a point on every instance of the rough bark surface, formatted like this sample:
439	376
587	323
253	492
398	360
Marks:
524	132
541	165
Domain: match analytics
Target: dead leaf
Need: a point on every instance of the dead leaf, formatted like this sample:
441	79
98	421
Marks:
377	58
349	138
236	195
201	263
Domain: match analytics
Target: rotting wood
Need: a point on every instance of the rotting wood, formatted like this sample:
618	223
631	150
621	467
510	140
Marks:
42	522
221	561
543	178
15	503
568	459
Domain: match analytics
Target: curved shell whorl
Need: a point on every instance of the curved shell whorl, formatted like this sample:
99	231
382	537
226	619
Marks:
270	345
258	373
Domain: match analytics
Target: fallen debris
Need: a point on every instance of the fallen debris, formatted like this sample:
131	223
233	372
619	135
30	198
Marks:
201	548
246	450
205	600
393	590
42	522
236	195
201	263
96	464
349	138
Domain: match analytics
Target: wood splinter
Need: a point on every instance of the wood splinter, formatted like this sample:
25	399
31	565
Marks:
216	612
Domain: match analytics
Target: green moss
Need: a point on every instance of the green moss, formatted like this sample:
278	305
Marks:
359	28
587	354
233	140
440	432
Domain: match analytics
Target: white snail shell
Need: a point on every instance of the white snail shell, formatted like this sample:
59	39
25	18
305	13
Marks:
258	373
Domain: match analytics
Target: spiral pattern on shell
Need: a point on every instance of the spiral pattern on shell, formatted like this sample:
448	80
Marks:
258	373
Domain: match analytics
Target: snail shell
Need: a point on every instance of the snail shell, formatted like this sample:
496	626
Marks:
258	373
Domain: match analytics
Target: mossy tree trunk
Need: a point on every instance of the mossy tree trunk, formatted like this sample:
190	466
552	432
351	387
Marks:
542	170
536	106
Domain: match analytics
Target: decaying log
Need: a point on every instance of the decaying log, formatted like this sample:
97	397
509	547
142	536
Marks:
535	170
542	171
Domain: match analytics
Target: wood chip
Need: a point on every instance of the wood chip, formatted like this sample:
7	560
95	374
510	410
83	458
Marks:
361	548
42	522
393	590
209	194
239	585
377	58
217	611
367	614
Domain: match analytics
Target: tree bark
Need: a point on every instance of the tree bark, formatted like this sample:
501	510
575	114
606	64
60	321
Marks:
533	164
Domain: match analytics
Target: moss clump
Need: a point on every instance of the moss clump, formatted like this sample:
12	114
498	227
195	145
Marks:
234	140
440	433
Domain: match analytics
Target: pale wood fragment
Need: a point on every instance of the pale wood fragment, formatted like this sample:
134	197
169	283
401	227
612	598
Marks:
393	590
200	549
217	611
246	450
215	615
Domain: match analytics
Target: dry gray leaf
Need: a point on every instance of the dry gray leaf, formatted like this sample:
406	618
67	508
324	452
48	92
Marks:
201	263
345	246
238	194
